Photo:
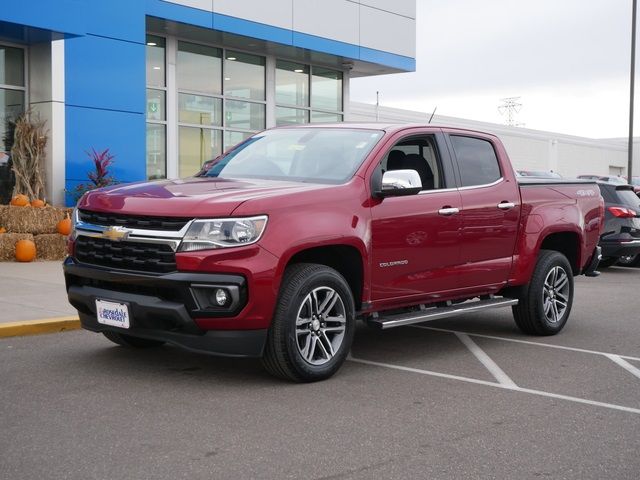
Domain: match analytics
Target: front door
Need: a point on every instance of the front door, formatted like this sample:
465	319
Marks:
416	239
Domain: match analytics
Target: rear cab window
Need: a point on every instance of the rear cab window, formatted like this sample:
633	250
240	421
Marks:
477	161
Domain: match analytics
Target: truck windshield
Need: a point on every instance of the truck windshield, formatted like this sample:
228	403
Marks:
316	155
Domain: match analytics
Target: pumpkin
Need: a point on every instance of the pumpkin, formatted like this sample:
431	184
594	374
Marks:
38	203
3	230
20	201
25	250
64	226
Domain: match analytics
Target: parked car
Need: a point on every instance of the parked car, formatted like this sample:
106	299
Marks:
635	181
620	240
615	179
291	236
538	173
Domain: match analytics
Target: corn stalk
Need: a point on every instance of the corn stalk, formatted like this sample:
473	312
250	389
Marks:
28	155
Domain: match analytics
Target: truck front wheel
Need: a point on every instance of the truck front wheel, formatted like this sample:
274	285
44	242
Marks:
312	329
545	303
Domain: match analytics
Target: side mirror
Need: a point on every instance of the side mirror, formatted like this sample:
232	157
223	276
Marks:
396	183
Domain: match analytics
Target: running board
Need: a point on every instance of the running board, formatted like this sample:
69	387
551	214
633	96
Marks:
436	313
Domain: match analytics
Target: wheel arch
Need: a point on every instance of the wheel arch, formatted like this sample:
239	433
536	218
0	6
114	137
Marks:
345	258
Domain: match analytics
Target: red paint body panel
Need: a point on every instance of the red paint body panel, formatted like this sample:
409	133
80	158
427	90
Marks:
479	251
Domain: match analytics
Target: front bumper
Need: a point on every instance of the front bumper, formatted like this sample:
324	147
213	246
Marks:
164	307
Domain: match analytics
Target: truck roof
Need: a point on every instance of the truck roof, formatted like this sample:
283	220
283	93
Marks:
387	127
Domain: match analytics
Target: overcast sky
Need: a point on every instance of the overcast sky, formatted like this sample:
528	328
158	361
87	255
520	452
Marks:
568	60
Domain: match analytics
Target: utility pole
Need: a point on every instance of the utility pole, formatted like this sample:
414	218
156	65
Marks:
510	106
631	90
378	104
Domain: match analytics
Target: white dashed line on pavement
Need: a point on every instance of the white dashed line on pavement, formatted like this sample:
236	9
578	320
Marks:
540	393
494	369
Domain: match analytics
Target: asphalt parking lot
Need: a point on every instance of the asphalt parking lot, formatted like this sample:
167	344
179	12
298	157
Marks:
463	398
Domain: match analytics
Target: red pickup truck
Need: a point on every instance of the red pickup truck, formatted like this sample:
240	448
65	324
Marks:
281	244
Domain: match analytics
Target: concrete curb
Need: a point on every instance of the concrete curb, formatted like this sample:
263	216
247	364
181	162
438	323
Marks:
37	327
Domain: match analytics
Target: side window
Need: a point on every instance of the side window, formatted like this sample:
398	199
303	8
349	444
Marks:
419	154
477	160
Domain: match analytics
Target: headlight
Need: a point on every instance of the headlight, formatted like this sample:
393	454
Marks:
223	233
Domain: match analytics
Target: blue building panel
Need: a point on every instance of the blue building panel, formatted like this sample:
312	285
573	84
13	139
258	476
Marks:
123	133
105	73
240	26
179	13
120	19
385	58
326	45
63	16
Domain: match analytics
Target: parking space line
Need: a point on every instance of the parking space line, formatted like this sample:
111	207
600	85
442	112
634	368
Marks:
489	364
624	364
538	344
611	406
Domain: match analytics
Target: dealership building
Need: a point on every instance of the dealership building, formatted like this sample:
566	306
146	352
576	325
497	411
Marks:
166	85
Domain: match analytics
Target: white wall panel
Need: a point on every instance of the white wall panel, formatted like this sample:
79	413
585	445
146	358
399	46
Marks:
387	32
406	8
334	19
201	4
278	13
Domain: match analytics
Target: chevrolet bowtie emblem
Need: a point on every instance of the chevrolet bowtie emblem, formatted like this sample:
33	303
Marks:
115	233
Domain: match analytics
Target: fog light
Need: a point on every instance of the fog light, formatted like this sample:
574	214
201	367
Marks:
221	297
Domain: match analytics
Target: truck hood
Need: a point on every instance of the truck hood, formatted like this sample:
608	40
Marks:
189	197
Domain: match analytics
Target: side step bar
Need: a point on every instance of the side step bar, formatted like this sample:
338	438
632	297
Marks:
436	313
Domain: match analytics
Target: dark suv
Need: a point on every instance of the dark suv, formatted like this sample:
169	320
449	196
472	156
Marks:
621	235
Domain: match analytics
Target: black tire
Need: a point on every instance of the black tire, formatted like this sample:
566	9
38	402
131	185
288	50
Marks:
607	262
629	261
284	356
125	340
538	307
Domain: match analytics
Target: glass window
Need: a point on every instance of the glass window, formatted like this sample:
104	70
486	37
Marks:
326	89
477	160
155	61
197	145
244	75
303	154
246	115
292	83
291	116
11	66
155	105
156	151
199	68
319	117
231	138
199	109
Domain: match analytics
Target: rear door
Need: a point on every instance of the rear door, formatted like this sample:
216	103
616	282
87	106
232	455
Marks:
416	239
490	212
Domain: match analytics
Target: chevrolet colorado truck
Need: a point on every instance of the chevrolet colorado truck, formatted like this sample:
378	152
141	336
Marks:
277	247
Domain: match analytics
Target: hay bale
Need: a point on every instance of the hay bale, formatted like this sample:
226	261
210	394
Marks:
8	245
51	246
33	220
3	215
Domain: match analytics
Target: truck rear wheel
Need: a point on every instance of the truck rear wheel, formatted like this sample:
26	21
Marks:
312	329
129	341
545	303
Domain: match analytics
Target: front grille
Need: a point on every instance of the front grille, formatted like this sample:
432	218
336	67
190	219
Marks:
133	221
144	257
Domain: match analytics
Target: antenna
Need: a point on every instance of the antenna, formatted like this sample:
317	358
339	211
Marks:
432	114
510	106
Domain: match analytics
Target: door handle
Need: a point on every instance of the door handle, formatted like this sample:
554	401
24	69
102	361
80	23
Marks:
448	211
506	205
